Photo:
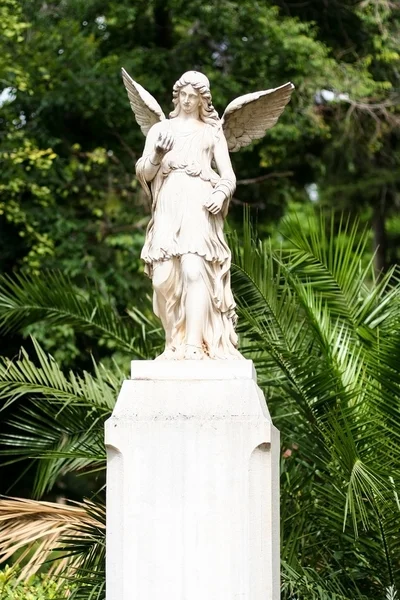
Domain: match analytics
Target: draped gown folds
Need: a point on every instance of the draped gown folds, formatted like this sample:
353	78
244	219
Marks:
180	225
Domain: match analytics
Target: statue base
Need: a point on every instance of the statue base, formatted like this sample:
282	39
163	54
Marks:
192	485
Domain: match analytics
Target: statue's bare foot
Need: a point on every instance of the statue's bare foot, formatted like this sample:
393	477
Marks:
193	352
168	354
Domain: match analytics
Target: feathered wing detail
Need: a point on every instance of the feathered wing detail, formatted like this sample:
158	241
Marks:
146	109
248	117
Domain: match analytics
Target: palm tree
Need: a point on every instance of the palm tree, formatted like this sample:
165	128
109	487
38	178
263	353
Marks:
325	339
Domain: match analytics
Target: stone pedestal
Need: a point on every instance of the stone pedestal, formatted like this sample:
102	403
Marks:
192	485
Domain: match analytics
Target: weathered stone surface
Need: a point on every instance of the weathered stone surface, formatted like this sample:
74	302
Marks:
192	485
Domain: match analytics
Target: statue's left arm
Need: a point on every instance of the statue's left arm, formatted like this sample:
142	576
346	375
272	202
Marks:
224	189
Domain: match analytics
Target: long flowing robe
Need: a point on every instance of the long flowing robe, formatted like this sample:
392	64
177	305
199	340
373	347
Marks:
181	225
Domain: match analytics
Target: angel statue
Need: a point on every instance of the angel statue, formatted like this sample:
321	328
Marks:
185	252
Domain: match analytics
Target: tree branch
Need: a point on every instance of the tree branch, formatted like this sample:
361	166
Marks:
107	229
124	144
264	177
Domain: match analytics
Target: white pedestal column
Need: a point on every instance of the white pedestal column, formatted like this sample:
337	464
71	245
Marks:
192	485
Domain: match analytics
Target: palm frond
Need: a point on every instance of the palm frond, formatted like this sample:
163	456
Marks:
307	584
22	377
53	298
391	593
37	532
324	337
331	262
61	422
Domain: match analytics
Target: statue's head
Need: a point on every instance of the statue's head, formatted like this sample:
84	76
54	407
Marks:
192	90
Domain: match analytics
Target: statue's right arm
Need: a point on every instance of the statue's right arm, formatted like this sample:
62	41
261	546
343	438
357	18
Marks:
148	165
159	141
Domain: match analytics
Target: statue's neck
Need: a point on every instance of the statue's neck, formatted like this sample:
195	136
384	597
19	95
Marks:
187	125
183	116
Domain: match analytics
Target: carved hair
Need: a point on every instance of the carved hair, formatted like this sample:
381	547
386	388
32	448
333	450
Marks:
200	83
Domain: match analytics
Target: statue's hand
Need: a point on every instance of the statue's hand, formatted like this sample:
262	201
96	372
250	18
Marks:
164	143
215	202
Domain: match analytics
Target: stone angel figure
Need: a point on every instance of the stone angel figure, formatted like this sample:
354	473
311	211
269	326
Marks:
185	252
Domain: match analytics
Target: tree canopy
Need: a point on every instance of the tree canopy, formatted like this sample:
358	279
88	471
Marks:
69	199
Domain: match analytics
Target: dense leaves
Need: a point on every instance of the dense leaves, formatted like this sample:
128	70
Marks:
315	312
35	588
325	340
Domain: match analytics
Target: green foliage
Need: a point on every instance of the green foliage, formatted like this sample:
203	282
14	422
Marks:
325	340
57	422
307	584
25	300
38	587
69	139
324	336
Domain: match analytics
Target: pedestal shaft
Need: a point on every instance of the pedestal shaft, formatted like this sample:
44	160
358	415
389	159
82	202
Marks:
192	486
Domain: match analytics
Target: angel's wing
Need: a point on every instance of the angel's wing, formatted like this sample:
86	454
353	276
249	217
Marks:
146	108
248	117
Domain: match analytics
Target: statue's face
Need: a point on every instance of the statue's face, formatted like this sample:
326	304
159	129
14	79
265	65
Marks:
189	99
